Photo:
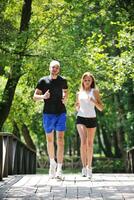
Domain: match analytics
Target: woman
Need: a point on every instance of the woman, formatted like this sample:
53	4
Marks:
87	99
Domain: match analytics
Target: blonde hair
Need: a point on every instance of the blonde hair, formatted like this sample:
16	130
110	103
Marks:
93	85
54	62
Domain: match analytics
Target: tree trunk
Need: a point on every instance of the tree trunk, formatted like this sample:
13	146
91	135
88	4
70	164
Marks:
26	15
70	146
107	146
8	95
116	146
100	144
27	137
119	129
130	88
16	130
9	91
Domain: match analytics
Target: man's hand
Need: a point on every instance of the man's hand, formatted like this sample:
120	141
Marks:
38	96
46	95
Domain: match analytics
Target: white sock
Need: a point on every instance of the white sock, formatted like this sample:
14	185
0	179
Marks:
89	167
59	167
52	161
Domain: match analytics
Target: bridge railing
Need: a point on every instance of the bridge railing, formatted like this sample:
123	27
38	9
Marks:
130	159
15	156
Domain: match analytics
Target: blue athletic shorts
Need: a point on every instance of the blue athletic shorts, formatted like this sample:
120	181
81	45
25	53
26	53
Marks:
54	122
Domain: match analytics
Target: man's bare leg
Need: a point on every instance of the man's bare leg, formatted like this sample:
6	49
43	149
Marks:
50	144
60	152
51	154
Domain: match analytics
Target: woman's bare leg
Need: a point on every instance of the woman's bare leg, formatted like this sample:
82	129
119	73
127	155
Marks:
83	148
90	141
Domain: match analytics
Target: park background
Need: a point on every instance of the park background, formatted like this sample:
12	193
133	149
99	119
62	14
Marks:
95	36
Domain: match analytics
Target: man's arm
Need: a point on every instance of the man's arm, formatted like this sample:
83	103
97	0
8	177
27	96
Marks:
64	95
38	96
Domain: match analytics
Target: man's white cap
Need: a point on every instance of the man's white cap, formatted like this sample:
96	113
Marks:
54	62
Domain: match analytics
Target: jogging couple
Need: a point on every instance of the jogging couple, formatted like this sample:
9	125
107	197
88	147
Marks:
53	89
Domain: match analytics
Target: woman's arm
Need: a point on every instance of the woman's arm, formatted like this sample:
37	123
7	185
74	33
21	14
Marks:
77	104
97	101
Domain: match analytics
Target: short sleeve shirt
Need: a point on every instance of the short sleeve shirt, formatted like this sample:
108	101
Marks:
54	104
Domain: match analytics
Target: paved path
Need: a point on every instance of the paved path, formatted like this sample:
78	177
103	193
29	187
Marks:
73	187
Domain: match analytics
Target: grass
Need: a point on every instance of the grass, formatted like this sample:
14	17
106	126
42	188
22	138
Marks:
65	171
41	171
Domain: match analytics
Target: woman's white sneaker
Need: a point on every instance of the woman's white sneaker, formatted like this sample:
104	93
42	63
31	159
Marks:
59	174
89	172
84	172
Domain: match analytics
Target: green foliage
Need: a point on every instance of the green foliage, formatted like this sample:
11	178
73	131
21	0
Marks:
84	36
105	165
100	165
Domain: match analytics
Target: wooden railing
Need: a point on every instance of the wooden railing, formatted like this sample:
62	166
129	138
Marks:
130	158
15	156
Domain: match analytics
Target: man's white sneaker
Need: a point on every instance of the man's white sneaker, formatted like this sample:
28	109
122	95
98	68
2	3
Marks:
52	170
89	173
84	172
59	174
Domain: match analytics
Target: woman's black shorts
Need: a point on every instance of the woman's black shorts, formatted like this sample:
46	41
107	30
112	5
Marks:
88	122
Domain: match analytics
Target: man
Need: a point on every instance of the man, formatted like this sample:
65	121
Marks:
53	90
